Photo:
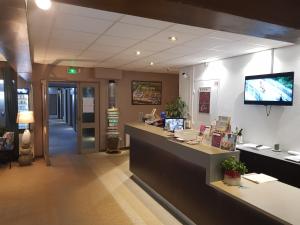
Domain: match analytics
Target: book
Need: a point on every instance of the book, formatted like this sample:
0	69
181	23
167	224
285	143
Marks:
223	123
293	158
216	140
259	178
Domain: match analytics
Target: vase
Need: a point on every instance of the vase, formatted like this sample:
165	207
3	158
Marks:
232	178
26	139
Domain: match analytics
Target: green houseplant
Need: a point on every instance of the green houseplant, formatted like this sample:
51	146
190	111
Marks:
233	170
176	108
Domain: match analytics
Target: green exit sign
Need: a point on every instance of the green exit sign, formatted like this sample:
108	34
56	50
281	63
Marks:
72	70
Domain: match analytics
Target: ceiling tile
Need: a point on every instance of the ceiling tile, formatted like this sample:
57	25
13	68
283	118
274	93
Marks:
55	43
94	55
40	18
182	61
105	49
164	37
204	54
88	12
83	24
267	42
227	35
127	57
131	31
115	41
198	31
135	20
162	56
182	50
206	42
132	66
61	53
153	46
113	62
67	34
75	36
131	52
239	46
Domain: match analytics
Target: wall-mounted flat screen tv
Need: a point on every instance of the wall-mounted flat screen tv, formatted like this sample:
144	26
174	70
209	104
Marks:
269	89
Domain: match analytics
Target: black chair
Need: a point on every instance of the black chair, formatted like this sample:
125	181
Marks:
7	148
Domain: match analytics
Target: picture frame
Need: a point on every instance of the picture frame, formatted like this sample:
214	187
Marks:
146	92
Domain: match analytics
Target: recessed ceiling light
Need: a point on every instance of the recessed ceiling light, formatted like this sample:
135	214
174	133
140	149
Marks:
43	4
138	52
173	38
151	63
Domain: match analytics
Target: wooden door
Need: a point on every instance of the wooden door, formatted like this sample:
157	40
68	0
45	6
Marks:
88	117
45	122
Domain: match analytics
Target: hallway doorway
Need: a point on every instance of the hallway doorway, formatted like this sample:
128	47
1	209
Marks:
62	119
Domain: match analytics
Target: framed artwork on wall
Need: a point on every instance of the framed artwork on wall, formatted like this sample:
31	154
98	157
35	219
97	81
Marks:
204	99
146	92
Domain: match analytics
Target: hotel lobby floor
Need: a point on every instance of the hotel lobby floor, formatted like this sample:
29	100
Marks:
77	189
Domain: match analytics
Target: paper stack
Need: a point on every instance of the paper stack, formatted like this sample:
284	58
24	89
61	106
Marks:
293	158
259	178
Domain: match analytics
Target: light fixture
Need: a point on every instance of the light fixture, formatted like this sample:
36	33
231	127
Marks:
43	4
172	38
138	52
151	63
26	117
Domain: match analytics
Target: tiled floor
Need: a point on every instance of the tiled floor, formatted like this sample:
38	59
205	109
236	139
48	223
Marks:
77	189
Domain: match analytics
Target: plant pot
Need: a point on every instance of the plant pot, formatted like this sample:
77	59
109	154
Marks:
232	178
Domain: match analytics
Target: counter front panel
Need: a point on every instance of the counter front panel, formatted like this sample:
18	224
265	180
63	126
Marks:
182	180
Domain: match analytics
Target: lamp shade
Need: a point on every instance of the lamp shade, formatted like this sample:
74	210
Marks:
25	117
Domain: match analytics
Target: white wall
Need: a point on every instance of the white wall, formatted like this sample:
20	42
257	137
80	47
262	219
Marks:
227	79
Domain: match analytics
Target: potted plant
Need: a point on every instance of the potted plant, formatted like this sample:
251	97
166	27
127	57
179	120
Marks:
233	170
176	109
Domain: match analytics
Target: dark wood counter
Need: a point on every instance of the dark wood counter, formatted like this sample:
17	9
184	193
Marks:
180	174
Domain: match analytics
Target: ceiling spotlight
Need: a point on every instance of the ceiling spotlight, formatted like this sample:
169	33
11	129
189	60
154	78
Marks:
151	63
173	38
43	4
138	52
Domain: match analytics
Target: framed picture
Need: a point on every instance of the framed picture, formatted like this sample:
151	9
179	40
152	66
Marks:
146	92
204	99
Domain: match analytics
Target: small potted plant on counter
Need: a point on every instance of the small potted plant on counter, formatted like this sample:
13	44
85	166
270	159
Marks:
233	170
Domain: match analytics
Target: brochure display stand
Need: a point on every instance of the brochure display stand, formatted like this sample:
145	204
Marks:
112	135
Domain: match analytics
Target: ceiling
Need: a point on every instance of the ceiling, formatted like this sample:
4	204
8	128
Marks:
77	36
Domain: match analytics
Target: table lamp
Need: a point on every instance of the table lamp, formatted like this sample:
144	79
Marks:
26	117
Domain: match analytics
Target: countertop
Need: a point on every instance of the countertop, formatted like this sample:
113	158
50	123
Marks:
268	153
160	132
276	199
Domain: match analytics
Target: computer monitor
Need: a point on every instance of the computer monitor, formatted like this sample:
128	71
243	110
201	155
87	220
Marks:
173	124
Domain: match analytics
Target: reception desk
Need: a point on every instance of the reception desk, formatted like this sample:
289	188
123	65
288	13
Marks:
187	177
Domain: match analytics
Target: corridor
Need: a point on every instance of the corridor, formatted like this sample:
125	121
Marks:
62	138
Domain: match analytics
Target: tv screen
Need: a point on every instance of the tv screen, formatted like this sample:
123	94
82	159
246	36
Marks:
173	124
269	89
